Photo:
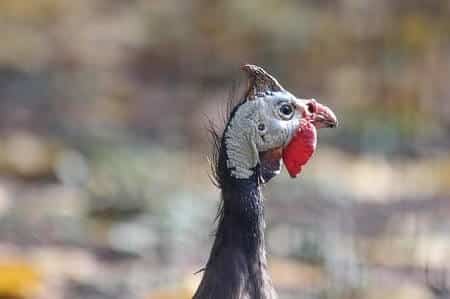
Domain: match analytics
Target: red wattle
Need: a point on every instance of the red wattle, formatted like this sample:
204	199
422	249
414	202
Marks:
302	146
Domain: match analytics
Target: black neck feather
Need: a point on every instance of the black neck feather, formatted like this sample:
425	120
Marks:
241	219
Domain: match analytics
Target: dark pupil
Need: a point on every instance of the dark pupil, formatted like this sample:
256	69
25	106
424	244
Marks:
286	109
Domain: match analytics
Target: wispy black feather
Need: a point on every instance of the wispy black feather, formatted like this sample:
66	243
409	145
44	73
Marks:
220	174
217	160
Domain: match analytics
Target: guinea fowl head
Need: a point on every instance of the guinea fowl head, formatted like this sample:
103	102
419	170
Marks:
272	125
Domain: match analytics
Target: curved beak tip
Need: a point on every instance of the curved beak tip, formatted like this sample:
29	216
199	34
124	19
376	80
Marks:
333	122
326	117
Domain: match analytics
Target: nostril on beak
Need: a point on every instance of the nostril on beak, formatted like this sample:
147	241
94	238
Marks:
310	107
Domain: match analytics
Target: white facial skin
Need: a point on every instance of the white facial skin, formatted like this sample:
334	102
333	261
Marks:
267	122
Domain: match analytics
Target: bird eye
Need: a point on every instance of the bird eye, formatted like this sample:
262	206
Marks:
286	111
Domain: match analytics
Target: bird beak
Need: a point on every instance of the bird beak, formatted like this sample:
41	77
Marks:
318	114
324	117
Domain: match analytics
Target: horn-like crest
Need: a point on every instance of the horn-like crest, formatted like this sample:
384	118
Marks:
260	81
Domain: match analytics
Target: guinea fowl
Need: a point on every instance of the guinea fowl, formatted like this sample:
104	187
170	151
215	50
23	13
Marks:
267	127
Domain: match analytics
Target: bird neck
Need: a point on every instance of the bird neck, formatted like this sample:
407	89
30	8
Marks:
241	222
237	266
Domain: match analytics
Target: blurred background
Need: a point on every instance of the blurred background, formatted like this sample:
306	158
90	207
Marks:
104	108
